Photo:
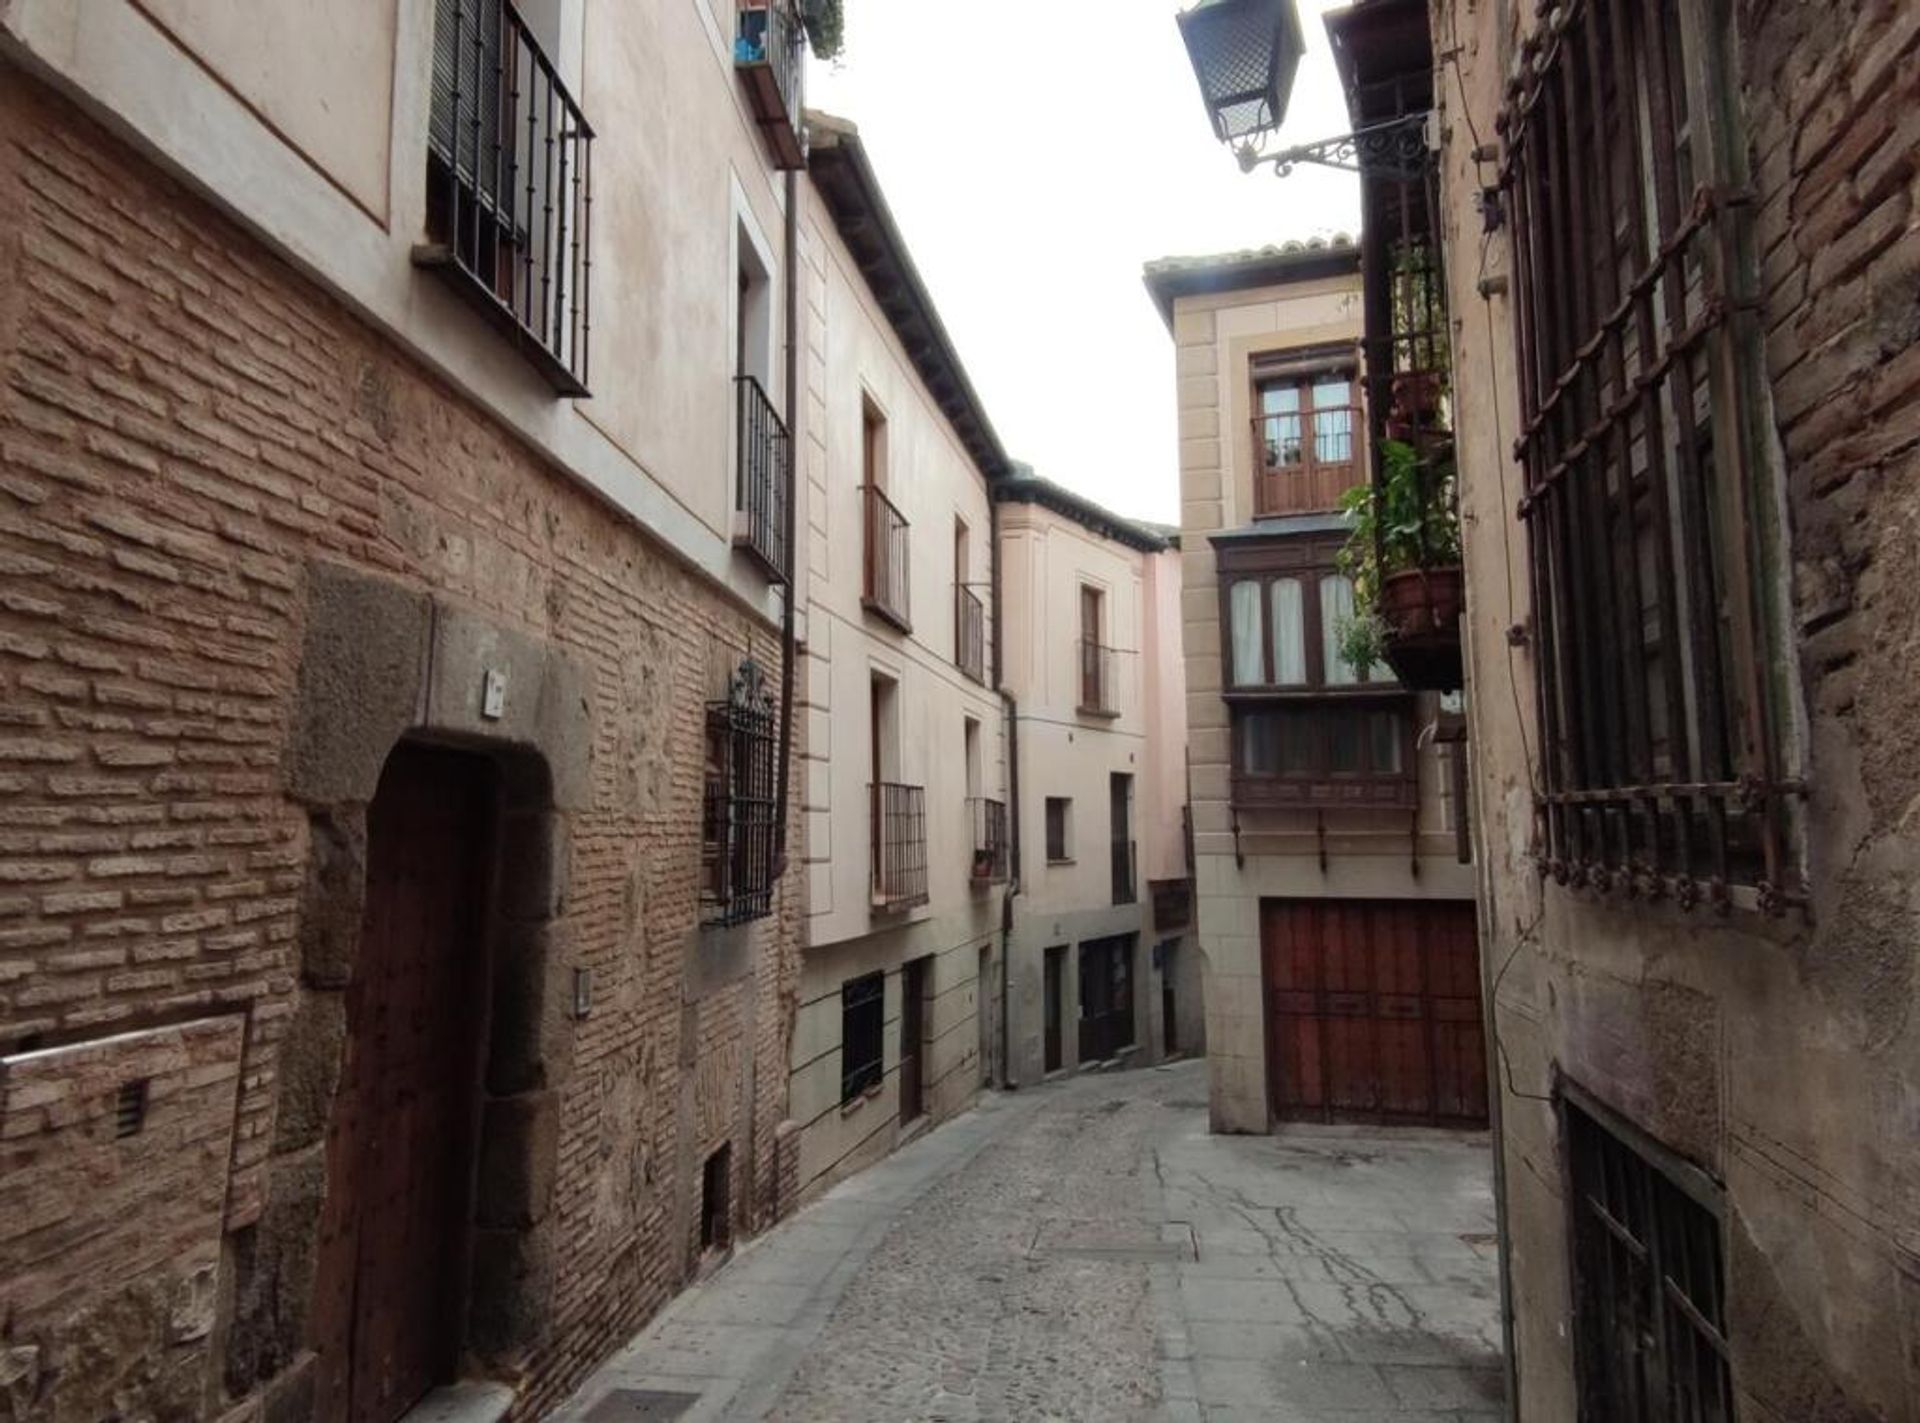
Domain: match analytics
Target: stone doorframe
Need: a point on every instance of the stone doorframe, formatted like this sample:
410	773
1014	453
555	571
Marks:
382	663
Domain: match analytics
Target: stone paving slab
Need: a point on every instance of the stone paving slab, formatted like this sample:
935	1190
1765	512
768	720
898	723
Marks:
1087	1251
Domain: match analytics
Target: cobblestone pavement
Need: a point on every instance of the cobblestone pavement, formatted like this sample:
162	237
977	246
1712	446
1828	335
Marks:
1087	1251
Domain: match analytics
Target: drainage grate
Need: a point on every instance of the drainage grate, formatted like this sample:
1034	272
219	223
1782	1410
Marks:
638	1405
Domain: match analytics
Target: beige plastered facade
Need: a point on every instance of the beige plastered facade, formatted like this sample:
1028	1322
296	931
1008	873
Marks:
1065	752
1275	854
856	370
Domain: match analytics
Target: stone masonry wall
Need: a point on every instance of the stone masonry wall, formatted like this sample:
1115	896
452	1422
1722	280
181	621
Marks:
1780	1055
190	432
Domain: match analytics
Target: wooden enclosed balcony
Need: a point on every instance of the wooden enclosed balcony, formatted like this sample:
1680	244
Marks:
1304	460
768	54
899	846
886	578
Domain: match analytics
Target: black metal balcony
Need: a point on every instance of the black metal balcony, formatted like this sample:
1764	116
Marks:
899	846
768	49
887	575
764	452
970	634
1097	696
989	819
510	186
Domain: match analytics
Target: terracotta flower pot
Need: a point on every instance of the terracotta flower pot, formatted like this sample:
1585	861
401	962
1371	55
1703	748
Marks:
1422	601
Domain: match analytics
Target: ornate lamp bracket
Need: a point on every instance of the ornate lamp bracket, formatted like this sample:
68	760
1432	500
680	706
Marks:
1396	149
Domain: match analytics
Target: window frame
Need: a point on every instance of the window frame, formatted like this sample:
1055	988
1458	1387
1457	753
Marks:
1065	847
1664	711
865	995
1305	559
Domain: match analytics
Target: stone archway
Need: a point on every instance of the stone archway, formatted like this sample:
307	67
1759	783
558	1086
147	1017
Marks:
382	665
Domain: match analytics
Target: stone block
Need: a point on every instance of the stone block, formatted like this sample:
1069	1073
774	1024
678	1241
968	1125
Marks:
335	894
310	1060
512	1286
530	1042
534	861
361	669
519	1155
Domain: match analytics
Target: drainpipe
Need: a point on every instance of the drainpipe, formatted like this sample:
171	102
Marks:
1012	711
788	642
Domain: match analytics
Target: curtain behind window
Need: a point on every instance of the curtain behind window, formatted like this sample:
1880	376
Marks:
1243	608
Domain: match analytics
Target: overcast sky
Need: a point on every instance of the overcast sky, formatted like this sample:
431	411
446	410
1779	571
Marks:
1036	153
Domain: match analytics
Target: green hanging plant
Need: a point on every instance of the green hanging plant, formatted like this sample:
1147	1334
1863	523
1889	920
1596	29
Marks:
1410	523
823	21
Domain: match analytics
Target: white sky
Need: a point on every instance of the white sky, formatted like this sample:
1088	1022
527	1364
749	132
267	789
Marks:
1035	154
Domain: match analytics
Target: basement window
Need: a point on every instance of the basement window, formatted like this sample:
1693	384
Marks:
716	1200
130	1108
1649	1283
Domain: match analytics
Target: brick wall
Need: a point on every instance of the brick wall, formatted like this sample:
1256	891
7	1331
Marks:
188	428
1777	1054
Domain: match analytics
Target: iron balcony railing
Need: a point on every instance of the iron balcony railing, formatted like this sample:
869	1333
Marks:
899	846
1097	697
1303	460
970	634
1126	884
989	839
887	573
765	456
767	51
510	185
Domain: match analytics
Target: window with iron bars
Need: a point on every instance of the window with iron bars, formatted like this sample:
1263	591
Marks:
1649	1283
739	836
1653	549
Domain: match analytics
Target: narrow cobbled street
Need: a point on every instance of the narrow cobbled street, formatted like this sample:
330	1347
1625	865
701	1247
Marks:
1086	1251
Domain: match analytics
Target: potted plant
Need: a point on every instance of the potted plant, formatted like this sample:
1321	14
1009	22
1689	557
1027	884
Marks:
1403	558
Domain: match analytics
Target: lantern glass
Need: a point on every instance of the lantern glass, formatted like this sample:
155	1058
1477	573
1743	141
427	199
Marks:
1245	54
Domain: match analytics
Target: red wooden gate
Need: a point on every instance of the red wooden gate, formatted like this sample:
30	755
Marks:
1373	1011
394	1232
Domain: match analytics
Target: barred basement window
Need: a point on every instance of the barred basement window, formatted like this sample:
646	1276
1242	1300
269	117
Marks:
863	1021
1653	548
742	802
1649	1284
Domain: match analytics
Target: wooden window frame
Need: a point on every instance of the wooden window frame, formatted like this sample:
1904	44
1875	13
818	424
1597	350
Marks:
1655	551
1307	558
1269	480
1065	845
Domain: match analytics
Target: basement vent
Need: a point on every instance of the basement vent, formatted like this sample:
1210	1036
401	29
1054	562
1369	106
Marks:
130	1108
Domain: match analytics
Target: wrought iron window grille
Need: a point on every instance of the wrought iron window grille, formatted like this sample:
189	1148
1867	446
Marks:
740	833
764	453
1654	627
510	186
1649	1282
863	1019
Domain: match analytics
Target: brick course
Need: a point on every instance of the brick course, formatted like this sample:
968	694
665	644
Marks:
186	426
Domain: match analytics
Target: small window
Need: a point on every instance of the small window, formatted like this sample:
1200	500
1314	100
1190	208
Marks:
1283	628
716	1200
863	1016
1059	827
1649	1284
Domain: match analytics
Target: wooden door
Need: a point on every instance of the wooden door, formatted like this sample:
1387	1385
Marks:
1106	998
913	1036
391	1277
1373	1011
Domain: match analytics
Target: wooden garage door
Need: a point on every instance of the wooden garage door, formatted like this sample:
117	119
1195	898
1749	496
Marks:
1373	1011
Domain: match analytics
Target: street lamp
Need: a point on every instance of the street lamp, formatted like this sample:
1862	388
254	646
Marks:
1245	54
